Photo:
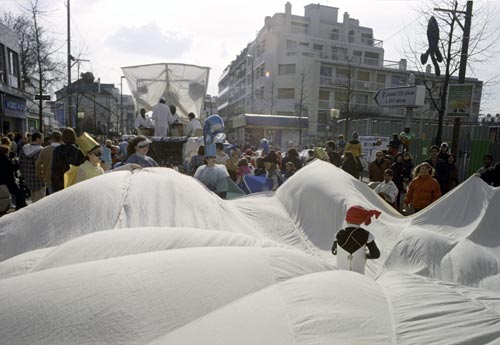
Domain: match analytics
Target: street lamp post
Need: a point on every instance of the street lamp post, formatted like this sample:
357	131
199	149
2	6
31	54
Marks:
334	115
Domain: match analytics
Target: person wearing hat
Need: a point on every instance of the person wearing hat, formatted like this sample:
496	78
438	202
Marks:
162	116
137	152
213	176
406	136
92	152
273	174
351	242
443	152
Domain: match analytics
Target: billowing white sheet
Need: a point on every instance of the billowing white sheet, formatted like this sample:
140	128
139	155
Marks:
153	257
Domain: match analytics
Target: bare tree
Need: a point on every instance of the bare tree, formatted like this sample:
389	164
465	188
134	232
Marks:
48	69
303	98
482	40
21	24
38	50
346	82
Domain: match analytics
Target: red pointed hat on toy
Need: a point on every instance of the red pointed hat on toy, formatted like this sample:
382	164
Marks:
359	215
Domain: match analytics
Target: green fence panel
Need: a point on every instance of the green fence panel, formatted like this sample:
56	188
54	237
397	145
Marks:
419	149
478	149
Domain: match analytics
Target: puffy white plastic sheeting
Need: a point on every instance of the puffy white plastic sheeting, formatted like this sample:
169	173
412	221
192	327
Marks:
153	257
182	85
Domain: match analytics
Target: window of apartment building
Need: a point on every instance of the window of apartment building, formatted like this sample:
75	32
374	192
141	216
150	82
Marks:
326	71
322	118
291	54
303	44
357	56
339	53
340	96
262	48
335	35
299	28
286	69
371	58
342	73
361	99
260	71
363	75
324	95
350	36
13	62
286	93
259	93
3	64
397	80
381	78
317	46
367	38
308	54
291	44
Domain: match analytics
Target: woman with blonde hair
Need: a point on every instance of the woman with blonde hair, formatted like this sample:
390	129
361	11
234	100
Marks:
423	189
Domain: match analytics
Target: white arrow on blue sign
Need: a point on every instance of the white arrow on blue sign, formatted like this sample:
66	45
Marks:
402	97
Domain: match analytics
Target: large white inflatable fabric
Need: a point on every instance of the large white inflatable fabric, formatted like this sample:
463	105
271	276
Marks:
181	85
153	257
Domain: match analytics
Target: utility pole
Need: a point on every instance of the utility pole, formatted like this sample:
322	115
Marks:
77	102
68	89
463	62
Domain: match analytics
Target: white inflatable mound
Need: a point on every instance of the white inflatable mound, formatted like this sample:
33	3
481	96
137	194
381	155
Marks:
153	257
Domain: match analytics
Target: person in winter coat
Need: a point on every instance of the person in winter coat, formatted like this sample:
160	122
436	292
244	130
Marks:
377	168
451	174
350	165
350	243
65	155
354	145
43	166
291	156
8	168
398	171
423	189
492	175
28	157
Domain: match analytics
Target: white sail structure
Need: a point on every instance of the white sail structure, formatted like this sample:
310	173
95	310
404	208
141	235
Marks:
182	85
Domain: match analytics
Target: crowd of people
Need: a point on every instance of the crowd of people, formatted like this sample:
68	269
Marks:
32	167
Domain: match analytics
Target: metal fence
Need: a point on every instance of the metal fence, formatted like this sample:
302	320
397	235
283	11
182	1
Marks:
474	140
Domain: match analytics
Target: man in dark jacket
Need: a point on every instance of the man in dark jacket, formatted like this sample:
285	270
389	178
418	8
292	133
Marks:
492	175
333	155
439	167
65	154
27	159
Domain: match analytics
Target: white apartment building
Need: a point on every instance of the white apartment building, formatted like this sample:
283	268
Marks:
307	65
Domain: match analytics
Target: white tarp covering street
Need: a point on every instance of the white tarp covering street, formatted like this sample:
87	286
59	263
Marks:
152	257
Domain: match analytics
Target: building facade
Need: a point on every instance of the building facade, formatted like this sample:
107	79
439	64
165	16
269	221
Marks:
97	107
307	65
13	114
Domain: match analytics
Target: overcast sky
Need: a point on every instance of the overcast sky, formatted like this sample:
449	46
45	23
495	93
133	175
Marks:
117	33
